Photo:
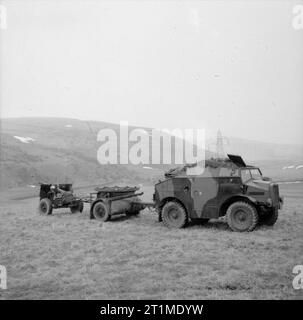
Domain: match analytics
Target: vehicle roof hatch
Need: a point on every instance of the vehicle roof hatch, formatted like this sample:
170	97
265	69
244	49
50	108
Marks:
237	160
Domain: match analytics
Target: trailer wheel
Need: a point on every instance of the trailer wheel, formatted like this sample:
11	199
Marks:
174	215
270	218
101	212
45	206
242	216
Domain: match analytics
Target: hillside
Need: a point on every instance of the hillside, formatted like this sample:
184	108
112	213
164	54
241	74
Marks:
37	150
58	150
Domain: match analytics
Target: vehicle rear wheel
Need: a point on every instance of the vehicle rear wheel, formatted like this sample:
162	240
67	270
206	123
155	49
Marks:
45	206
101	212
242	216
270	218
174	215
77	208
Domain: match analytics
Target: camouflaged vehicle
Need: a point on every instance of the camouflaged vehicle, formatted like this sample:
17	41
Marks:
225	188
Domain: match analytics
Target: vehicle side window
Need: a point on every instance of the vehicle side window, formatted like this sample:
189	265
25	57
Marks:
256	174
245	175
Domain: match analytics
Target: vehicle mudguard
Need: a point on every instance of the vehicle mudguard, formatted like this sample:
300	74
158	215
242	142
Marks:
235	197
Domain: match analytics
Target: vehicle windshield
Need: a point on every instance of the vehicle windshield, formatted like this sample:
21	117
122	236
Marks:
248	174
256	174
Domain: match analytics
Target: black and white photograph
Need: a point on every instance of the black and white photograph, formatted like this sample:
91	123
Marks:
151	151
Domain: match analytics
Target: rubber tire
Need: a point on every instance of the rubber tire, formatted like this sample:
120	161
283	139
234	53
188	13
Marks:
78	208
270	218
45	206
101	212
170	221
250	211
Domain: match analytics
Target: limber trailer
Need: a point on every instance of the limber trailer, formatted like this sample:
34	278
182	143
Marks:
109	201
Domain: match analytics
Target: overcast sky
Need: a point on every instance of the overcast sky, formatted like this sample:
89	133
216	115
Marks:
230	65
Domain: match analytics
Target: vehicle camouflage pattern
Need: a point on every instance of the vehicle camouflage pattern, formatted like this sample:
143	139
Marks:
225	187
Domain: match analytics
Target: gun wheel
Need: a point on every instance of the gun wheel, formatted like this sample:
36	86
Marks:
174	215
101	212
45	206
242	216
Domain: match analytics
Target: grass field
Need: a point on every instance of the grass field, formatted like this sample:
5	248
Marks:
67	256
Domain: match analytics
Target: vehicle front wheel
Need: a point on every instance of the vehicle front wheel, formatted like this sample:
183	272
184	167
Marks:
174	215
242	216
45	206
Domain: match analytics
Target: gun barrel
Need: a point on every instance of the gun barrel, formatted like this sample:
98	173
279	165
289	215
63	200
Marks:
126	196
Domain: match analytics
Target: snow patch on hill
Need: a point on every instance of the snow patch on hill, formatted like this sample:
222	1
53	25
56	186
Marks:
24	139
293	167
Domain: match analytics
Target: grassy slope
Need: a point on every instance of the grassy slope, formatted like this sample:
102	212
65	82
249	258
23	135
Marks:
69	256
